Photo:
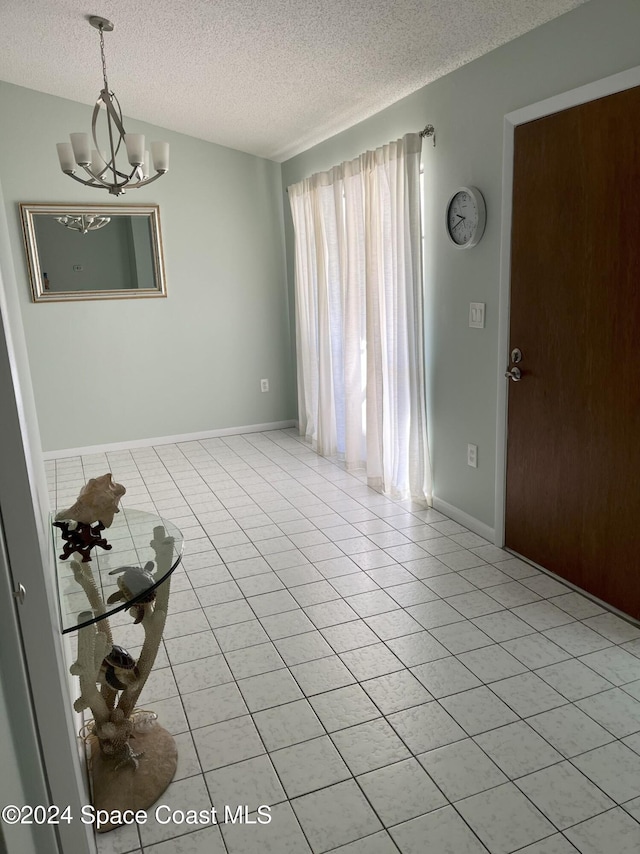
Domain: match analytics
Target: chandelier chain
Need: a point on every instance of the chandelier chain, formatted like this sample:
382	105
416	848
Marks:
104	61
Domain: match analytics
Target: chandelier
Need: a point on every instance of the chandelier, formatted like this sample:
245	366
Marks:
84	223
100	165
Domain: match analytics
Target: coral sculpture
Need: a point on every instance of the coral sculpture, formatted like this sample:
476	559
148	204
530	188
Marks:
122	741
110	679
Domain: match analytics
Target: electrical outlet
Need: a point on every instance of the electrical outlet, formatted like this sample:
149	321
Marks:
264	385
472	456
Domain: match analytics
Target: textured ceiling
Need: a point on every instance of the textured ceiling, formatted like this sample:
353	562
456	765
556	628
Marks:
269	77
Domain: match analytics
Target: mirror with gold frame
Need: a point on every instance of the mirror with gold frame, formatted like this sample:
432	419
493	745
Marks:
86	252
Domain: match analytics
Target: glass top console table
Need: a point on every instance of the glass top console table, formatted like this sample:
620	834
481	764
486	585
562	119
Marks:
130	538
132	758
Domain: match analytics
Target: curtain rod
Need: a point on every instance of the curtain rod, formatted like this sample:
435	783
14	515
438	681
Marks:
429	130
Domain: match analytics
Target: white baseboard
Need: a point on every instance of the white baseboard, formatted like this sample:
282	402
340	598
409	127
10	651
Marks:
463	518
166	440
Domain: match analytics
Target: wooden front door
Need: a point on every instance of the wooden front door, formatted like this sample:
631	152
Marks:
573	444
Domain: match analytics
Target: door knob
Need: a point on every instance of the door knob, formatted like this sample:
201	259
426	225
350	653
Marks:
19	593
514	374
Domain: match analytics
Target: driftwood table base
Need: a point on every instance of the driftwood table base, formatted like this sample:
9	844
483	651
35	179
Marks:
132	788
130	765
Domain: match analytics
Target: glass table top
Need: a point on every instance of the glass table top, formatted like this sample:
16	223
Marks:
130	538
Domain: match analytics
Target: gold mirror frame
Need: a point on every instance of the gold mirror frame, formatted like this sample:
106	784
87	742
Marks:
40	293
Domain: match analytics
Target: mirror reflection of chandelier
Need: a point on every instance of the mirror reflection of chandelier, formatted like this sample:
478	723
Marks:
99	165
84	223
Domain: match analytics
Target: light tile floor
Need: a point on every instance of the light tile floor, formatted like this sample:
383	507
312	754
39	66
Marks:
384	679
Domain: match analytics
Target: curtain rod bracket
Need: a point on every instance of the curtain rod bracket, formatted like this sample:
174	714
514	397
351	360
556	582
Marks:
429	130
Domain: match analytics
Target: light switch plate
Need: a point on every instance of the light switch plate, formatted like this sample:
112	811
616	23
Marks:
472	456
476	315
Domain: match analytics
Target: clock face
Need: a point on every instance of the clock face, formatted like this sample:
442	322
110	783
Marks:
465	217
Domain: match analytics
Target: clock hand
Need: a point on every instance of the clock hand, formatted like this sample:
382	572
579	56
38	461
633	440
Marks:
462	219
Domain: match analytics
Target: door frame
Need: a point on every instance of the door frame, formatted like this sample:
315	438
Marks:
582	95
41	720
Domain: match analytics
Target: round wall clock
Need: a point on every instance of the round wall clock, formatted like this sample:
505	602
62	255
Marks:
466	215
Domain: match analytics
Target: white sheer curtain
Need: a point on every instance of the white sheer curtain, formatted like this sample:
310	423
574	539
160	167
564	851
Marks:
359	316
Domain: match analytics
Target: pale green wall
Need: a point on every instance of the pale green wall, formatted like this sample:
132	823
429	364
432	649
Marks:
467	108
113	371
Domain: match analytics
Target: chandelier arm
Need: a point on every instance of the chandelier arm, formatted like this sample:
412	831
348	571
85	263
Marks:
110	129
99	182
96	181
147	180
86	183
94	134
116	188
112	162
94	121
120	174
108	98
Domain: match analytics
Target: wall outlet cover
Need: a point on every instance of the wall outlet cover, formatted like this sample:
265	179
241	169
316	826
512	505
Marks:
472	456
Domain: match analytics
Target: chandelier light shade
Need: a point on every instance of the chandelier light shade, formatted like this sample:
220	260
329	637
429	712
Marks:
100	164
